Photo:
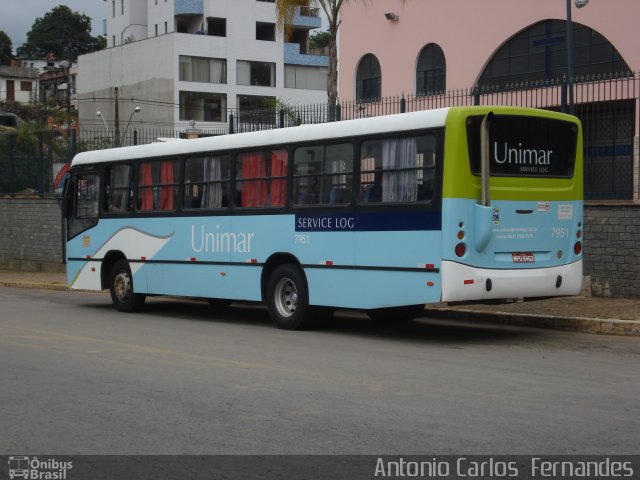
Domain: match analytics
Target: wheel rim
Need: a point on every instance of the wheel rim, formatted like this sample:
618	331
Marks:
286	297
122	286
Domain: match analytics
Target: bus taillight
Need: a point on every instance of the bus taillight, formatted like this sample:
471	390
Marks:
577	248
461	249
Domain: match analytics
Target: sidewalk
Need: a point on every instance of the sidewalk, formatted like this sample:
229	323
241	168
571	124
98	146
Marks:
600	315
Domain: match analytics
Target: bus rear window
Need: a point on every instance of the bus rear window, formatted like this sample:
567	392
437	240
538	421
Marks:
525	146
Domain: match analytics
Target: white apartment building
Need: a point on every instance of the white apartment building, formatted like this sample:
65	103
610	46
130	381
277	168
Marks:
197	60
17	84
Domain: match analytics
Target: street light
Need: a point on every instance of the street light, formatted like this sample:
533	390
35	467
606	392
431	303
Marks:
66	66
579	4
135	110
130	25
99	114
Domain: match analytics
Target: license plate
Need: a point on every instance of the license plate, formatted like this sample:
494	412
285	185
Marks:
523	257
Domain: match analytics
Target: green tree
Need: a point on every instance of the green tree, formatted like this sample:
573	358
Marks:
319	39
285	12
6	49
61	32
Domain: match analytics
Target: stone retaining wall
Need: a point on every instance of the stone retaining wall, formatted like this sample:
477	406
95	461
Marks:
30	234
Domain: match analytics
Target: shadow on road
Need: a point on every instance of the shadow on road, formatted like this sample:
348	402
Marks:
343	323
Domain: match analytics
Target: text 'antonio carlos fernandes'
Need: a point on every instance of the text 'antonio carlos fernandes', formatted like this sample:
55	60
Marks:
505	467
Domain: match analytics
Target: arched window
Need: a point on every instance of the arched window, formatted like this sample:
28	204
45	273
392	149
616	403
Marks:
368	79
540	53
431	71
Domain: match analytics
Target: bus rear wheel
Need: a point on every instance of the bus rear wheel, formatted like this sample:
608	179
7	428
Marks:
288	298
121	287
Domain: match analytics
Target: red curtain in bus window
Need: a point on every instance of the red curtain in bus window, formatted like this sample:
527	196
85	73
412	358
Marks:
145	191
279	185
166	180
254	192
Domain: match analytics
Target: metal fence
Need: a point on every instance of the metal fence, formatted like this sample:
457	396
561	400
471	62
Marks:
607	106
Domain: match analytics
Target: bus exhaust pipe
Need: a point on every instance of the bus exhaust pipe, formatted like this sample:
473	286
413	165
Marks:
483	213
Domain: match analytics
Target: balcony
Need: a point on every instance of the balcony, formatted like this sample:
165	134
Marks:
292	56
307	17
188	7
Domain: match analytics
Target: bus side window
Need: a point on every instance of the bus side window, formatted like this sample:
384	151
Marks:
206	182
307	185
397	170
261	178
157	185
118	193
426	161
338	173
83	203
323	174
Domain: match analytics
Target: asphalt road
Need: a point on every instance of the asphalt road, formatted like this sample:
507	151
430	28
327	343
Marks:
78	377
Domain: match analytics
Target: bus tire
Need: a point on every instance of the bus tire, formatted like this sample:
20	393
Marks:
395	314
123	295
288	298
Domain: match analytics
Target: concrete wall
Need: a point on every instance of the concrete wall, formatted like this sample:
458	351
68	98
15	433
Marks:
612	250
31	234
123	67
31	241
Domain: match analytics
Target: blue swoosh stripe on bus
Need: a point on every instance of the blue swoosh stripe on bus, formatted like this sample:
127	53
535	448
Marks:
388	221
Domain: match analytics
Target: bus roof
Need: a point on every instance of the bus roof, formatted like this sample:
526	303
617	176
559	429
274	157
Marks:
305	133
280	136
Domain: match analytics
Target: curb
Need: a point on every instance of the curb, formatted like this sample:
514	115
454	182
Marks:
41	286
574	324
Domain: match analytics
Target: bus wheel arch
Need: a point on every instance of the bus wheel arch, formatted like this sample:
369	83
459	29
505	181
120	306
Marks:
285	291
273	262
119	280
108	262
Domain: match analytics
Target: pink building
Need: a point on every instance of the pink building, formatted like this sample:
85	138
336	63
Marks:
459	38
514	52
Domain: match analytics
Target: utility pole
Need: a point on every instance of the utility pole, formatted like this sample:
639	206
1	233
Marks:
116	116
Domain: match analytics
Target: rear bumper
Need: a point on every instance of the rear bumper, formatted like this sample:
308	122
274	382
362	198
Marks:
464	282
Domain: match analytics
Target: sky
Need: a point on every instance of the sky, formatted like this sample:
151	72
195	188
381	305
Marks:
17	16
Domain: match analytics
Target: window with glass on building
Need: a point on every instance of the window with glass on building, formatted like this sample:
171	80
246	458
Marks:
368	79
261	74
266	31
202	69
431	71
539	53
203	106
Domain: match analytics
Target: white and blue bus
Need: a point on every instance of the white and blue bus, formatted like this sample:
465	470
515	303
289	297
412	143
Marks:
380	214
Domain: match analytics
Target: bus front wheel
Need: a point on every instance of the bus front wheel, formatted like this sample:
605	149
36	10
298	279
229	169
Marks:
121	287
288	299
